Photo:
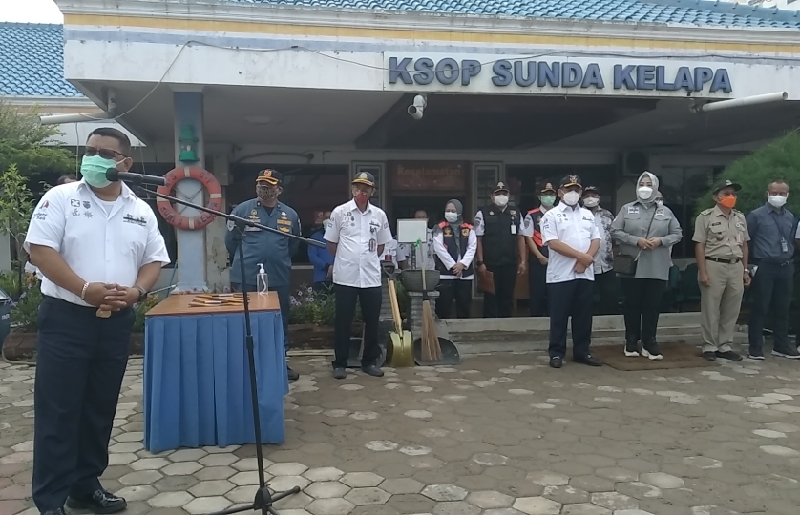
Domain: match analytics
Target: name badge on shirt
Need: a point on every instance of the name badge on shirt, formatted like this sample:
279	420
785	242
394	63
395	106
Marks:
633	210
513	229
373	244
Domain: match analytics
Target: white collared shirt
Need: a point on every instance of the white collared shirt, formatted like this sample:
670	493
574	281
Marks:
358	236
98	245
574	227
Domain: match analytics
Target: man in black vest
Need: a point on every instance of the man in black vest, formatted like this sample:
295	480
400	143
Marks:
501	250
537	269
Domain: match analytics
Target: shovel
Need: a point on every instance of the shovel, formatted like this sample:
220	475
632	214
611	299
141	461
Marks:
399	353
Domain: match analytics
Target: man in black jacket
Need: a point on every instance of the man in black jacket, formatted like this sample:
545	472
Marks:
501	250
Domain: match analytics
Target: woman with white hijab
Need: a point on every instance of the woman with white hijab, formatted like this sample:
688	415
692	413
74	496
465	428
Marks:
645	231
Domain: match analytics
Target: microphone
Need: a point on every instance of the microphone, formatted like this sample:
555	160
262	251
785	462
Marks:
112	174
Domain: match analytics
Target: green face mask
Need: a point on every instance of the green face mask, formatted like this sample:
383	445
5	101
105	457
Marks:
94	168
548	200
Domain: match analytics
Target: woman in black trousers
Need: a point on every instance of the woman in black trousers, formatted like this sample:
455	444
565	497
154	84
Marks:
454	243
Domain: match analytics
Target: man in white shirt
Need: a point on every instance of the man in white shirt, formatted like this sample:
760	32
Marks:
98	247
356	237
571	235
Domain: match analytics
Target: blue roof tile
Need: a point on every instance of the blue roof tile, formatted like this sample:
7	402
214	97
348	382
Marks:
32	61
683	12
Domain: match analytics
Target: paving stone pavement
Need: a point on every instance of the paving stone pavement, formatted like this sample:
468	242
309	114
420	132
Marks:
498	435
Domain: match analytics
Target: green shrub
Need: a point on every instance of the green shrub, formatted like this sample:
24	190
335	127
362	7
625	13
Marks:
777	160
141	308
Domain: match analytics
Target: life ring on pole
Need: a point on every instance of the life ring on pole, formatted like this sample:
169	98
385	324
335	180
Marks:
210	184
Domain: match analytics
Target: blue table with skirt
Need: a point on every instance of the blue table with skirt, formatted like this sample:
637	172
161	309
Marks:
196	374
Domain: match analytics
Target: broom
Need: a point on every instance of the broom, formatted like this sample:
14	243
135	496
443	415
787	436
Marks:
431	352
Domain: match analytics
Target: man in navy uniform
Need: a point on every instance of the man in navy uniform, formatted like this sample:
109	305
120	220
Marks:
570	232
98	248
259	246
537	270
501	250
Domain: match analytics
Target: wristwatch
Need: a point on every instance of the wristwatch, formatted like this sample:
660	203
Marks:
142	293
479	263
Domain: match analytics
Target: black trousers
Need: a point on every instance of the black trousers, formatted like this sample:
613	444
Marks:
370	300
501	304
283	298
642	308
606	285
459	290
570	299
537	288
80	363
771	292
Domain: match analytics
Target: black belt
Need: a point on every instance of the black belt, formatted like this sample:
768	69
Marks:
726	261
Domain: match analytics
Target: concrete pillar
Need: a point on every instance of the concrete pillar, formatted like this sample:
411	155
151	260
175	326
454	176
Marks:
217	270
191	244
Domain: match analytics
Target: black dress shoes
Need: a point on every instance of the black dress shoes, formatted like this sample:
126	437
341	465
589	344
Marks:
372	370
556	361
99	502
57	511
588	359
291	375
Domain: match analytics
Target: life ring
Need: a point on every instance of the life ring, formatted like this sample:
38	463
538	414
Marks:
210	184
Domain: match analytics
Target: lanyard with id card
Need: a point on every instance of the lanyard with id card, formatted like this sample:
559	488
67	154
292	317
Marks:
784	240
373	242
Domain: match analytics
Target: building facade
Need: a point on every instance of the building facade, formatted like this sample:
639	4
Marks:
509	91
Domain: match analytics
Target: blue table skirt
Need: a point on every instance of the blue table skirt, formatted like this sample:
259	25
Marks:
197	380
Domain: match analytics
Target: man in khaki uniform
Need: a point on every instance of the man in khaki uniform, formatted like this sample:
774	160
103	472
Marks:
720	236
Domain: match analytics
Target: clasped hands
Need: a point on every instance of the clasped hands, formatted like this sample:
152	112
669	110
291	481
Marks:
584	261
648	243
110	296
458	269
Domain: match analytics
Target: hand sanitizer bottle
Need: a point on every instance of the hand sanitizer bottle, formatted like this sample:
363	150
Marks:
261	280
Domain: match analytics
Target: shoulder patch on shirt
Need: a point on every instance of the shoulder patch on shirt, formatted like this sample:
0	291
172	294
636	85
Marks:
707	211
660	212
74	202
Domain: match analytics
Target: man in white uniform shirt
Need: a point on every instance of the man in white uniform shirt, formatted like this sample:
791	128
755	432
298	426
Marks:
571	235
98	247
356	237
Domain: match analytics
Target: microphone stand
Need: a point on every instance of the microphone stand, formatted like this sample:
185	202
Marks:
264	499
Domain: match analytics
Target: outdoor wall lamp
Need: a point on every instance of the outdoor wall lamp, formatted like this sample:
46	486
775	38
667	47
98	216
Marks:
739	102
187	144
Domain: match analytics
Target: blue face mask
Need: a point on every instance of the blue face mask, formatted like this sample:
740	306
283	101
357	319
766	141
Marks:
94	168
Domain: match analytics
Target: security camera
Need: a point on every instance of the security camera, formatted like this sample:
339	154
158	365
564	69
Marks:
418	106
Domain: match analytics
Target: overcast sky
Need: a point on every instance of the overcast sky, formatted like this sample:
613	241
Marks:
30	11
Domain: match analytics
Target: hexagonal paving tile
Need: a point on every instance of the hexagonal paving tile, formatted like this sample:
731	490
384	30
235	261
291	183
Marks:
490	499
286	469
207	505
283	483
187	455
149	464
211	488
661	480
565	494
330	507
213	460
181	469
143	477
170	500
455	508
137	493
444	493
614	501
402	486
361	479
245	478
327	490
323	474
547	478
584	509
367	496
537	506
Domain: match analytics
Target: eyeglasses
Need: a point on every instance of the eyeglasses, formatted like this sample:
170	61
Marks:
105	153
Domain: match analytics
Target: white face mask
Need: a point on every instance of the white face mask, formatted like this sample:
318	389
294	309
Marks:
571	198
591	202
501	200
644	192
777	200
450	216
